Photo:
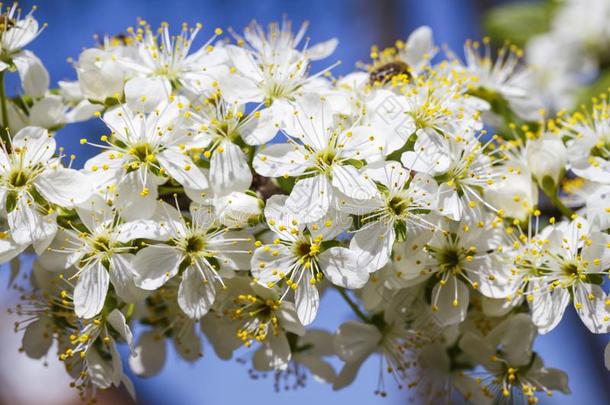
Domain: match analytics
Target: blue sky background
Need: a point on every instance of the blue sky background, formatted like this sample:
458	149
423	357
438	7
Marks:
357	24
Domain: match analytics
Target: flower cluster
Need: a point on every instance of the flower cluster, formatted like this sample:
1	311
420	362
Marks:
236	185
568	46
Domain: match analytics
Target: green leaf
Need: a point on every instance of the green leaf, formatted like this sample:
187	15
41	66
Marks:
11	201
601	85
112	101
548	185
286	184
358	164
518	22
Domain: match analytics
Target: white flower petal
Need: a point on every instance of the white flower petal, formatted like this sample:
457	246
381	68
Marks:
238	88
356	340
141	229
516	336
310	121
24	32
188	344
220	333
470	389
237	208
322	50
182	169
154	265
307	301
116	319
38	338
28	225
347	374
340	266
449	202
260	129
352	183
242	59
419	47
551	378
64	187
146	93
333	224
590	303
149	354
477	348
289	319
373	246
451	301
48	112
56	257
280	220
234	249
547	309
321	370
310	198
126	125
229	170
123	278
38	144
34	77
195	294
391	174
131	202
269	261
321	342
428	156
90	290
99	370
281	160
274	354
362	143
9	249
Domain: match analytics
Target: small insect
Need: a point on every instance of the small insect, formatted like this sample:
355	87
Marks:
121	38
6	22
387	71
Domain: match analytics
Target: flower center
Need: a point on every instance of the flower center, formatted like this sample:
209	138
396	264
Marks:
143	152
306	250
194	244
258	315
227	129
101	243
602	148
398	205
326	158
18	178
276	91
449	259
570	269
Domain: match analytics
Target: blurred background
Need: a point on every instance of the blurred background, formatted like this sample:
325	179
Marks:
357	24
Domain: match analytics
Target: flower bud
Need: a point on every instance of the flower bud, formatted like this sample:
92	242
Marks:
515	195
546	157
100	75
237	209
